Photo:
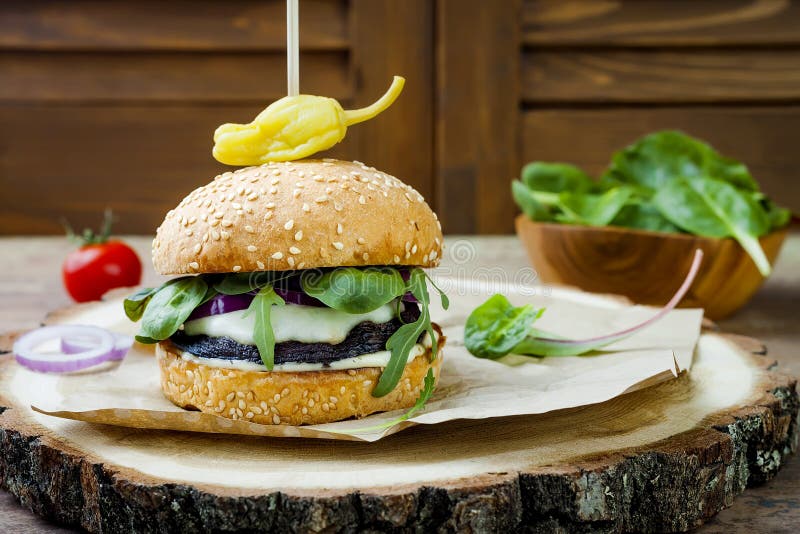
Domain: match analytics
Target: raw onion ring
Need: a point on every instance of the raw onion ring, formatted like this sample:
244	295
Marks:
104	348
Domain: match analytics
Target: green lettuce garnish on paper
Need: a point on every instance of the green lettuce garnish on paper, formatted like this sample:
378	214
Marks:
497	328
666	182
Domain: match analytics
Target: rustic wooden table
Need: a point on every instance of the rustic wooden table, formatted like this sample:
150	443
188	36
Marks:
30	285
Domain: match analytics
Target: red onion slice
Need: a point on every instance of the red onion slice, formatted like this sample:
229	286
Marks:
78	344
95	345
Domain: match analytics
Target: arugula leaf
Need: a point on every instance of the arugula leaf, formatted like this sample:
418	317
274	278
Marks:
495	327
354	290
403	340
713	208
428	387
442	295
263	335
169	307
135	304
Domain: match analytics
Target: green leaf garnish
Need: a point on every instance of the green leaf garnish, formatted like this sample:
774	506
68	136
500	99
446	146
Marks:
170	305
442	295
354	290
403	340
135	304
428	387
497	328
709	207
263	334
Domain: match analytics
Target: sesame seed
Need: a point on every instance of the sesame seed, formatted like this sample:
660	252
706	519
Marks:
268	216
321	199
273	190
296	193
298	235
189	233
237	268
304	410
342	390
434	254
277	256
194	265
362	200
249	229
337	206
230	396
242	404
276	419
396	258
260	264
224	234
236	205
338	245
289	224
361	240
294	250
218	215
197	248
214	235
251	248
290	261
414	249
365	256
301	264
226	223
339	228
270	205
306	207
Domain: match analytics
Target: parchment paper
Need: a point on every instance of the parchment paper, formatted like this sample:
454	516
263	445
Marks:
470	388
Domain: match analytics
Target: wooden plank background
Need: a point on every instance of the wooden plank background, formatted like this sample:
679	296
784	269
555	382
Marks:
113	103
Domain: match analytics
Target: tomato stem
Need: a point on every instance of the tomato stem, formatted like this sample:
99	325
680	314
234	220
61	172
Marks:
88	236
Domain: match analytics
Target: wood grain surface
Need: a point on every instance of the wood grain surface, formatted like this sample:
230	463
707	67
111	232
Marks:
658	23
30	284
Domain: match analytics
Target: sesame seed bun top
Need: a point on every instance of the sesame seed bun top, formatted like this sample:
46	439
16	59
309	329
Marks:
298	215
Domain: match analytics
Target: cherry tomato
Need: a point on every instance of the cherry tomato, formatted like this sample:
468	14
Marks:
92	270
100	264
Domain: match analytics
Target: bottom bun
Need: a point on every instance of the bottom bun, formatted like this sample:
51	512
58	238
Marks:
284	398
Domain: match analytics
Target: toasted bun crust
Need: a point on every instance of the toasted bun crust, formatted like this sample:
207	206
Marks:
298	215
303	398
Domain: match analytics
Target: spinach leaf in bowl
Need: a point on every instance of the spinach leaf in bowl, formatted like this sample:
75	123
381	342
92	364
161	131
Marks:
658	158
708	207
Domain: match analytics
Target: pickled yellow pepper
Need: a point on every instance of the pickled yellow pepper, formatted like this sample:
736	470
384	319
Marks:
294	127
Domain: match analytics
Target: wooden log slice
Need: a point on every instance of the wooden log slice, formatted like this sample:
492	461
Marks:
664	458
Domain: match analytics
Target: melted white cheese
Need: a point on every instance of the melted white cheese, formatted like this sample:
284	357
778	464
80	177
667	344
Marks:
307	324
376	359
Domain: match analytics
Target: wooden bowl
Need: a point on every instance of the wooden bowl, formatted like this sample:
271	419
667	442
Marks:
647	267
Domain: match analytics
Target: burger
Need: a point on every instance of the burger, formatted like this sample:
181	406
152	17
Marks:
300	297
